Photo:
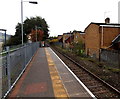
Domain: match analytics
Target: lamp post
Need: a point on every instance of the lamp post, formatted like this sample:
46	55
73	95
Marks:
36	32
33	2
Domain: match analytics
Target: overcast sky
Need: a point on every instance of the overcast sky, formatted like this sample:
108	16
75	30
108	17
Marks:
61	15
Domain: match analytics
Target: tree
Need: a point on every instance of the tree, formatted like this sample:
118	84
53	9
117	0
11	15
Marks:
14	40
36	35
31	23
28	25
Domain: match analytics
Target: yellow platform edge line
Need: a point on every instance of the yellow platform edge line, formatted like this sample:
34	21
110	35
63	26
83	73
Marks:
58	87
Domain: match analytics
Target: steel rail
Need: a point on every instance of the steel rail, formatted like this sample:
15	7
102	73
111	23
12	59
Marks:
93	75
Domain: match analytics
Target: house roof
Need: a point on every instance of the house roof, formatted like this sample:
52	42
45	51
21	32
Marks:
117	39
107	24
59	35
67	33
76	31
80	32
69	39
61	39
104	24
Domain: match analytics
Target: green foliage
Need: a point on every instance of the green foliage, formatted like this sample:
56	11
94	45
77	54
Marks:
52	37
115	70
36	21
14	40
28	25
78	48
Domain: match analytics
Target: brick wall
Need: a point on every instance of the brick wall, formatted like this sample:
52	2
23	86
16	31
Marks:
92	40
109	34
65	36
59	37
79	37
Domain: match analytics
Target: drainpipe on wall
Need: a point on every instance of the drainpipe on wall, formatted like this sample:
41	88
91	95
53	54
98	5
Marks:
101	43
70	37
99	54
63	42
102	37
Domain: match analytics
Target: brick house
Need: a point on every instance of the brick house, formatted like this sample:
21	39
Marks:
65	37
70	39
59	37
75	37
60	40
79	36
99	35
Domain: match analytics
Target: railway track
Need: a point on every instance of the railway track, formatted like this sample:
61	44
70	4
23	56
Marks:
98	87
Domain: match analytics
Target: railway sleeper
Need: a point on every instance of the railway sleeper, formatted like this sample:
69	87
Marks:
92	82
85	78
82	75
94	86
105	94
97	91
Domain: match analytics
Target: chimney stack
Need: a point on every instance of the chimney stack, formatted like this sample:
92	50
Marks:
107	20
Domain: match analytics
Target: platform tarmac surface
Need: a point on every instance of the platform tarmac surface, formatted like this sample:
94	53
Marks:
48	77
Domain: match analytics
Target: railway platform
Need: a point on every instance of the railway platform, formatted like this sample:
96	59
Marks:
47	76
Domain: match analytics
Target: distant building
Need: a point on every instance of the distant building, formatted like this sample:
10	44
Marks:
73	37
79	36
65	37
59	37
76	36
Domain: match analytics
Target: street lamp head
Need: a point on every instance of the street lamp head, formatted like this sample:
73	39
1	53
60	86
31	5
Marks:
3	30
33	2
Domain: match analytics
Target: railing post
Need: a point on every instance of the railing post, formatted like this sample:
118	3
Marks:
25	53
8	67
1	73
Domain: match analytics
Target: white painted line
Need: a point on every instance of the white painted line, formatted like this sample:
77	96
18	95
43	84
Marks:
91	94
